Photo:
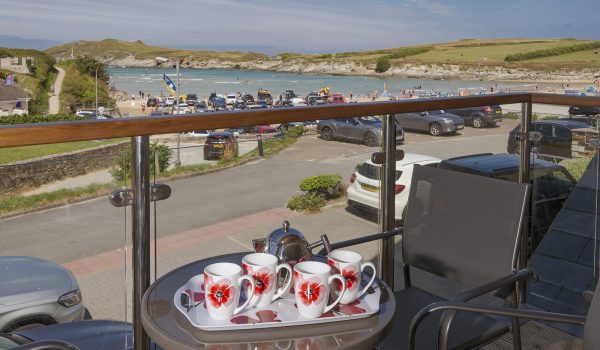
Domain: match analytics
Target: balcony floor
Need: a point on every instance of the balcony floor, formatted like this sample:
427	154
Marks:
537	336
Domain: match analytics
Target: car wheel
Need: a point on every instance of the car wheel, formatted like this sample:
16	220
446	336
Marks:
478	122
435	129
327	134
370	139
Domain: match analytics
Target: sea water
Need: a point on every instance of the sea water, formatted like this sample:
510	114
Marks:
222	81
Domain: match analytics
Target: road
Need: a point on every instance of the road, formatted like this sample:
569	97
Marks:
54	104
74	231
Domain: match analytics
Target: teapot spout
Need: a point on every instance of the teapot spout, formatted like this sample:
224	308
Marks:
260	245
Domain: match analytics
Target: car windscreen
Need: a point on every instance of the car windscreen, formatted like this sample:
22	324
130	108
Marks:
216	139
547	183
436	112
372	171
369	120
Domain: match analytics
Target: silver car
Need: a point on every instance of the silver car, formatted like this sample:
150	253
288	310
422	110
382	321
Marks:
36	292
436	123
363	129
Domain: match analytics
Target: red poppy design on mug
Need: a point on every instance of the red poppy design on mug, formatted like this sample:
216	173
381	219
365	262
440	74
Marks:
221	293
351	277
263	280
311	292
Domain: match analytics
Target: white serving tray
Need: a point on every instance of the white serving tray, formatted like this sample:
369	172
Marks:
281	313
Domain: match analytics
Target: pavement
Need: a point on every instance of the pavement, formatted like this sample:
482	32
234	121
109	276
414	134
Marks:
54	104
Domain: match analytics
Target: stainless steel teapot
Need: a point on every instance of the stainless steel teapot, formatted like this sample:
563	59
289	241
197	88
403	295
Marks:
289	245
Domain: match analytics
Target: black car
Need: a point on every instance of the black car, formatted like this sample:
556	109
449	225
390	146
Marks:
557	137
249	99
220	145
191	99
479	117
219	104
552	183
583	110
201	106
152	102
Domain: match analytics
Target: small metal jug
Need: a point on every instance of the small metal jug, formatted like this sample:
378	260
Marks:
289	245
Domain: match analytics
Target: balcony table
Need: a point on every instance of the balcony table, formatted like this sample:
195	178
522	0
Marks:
171	330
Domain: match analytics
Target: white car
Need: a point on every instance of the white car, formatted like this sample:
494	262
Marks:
363	192
170	101
230	99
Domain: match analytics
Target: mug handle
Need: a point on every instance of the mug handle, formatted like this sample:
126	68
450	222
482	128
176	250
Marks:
285	288
343	282
362	268
250	280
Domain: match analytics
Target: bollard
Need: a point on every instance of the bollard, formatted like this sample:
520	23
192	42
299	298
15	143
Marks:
261	152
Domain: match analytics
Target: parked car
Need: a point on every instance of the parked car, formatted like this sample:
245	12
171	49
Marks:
191	99
265	95
239	104
219	104
557	136
156	113
230	99
35	292
363	191
437	123
337	98
479	117
199	133
200	106
248	99
170	101
220	145
151	102
583	110
265	129
236	131
85	335
290	125
552	184
363	129
313	100
287	97
90	113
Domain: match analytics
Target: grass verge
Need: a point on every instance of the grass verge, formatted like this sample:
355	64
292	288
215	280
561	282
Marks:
11	205
15	154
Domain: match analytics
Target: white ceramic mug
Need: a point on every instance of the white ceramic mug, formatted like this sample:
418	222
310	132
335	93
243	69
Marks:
222	285
312	280
265	271
349	264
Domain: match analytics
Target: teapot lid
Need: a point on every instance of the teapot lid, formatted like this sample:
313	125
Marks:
285	233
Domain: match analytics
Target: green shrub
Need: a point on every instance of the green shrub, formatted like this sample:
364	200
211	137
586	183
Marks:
296	131
555	51
383	64
122	171
30	118
576	166
326	185
307	202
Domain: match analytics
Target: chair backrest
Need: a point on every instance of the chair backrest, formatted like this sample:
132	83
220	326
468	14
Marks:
463	227
591	336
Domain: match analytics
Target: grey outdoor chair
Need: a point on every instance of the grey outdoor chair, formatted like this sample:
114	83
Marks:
465	228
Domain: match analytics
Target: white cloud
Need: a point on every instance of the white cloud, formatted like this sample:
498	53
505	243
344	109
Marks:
433	7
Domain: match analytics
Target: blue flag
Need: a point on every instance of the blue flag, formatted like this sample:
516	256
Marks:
169	84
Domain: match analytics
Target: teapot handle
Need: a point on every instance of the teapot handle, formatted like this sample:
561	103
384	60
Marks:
324	241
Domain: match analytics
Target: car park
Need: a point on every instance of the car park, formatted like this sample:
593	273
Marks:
437	123
363	129
552	183
220	145
479	117
37	292
363	191
556	138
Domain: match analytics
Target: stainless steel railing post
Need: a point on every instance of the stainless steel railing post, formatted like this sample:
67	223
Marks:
524	178
140	175
387	212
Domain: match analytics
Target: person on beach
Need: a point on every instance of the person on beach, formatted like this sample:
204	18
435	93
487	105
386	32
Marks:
143	108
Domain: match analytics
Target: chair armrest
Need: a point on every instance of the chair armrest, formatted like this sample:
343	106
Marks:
365	239
488	310
492	286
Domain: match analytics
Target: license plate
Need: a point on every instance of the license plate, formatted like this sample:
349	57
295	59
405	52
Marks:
498	112
218	146
368	187
458	127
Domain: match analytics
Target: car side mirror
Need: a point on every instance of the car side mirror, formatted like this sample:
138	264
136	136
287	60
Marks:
423	114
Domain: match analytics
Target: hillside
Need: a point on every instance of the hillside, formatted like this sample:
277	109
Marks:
547	59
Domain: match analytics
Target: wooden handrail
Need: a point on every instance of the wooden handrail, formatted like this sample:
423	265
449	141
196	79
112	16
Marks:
47	133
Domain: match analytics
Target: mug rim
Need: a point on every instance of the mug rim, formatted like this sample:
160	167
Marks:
249	259
347	256
309	267
217	269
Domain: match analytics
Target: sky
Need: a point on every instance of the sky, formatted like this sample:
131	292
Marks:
305	26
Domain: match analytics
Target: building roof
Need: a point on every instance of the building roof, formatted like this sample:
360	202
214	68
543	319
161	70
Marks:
12	93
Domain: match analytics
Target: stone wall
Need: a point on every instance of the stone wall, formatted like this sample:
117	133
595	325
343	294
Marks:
581	143
36	172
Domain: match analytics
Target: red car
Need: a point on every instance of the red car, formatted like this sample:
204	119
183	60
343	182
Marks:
264	129
337	98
